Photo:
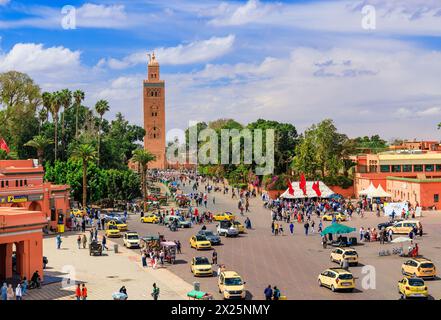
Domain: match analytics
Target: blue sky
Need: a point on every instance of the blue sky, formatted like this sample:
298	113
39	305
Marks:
294	61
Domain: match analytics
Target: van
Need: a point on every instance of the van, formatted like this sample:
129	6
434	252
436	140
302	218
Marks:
231	285
404	227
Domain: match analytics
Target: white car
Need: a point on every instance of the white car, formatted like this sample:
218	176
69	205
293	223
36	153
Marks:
131	240
227	229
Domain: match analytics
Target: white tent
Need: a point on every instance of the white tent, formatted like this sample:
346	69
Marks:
368	191
380	193
310	193
372	192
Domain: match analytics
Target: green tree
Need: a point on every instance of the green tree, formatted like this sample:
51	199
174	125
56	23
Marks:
78	96
85	153
19	98
55	106
66	102
142	158
101	107
39	143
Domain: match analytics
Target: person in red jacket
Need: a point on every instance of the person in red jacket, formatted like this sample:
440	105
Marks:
84	292
78	292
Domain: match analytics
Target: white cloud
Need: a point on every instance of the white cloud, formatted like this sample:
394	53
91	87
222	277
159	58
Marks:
418	17
199	51
35	59
93	15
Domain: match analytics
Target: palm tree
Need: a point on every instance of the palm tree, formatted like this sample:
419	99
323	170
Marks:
143	157
55	109
101	107
66	101
46	97
86	153
78	96
42	116
39	143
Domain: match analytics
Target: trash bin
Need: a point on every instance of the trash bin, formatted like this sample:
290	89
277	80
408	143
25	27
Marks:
197	286
115	248
60	228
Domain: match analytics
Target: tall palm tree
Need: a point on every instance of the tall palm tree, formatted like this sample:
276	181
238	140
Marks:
86	153
143	157
42	116
101	107
46	98
78	96
66	101
55	109
39	143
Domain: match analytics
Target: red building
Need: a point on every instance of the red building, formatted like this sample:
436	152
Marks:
411	175
21	236
22	186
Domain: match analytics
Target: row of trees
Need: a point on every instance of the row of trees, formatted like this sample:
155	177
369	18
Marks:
75	143
321	152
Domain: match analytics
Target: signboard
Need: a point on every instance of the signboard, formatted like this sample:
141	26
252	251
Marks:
396	207
17	199
35	197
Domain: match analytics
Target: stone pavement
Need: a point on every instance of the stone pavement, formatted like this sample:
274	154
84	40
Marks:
103	275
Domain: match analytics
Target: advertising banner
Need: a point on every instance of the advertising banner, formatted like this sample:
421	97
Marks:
396	207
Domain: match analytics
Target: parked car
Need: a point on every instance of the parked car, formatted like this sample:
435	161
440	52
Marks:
211	236
227	229
182	223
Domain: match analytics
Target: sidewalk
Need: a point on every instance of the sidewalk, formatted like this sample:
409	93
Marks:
103	275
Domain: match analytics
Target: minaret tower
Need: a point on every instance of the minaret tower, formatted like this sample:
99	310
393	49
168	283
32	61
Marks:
154	114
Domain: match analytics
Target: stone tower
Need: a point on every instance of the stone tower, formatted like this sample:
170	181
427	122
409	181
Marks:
154	114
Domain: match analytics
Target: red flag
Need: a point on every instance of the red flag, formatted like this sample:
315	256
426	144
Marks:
316	188
290	188
4	145
302	183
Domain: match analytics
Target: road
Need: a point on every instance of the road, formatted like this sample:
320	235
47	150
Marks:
293	262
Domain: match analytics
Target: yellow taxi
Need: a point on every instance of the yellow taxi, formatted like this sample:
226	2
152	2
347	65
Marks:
201	266
404	227
79	213
231	285
120	225
419	267
200	242
224	216
338	216
150	218
338	254
337	279
412	288
113	232
239	226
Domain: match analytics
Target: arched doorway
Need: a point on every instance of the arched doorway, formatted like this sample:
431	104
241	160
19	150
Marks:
17	205
35	206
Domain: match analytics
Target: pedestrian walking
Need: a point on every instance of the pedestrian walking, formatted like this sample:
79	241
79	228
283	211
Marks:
24	286
268	292
84	241
83	292
79	242
18	292
78	292
59	241
214	257
10	293
276	293
4	291
306	226
103	242
155	292
291	228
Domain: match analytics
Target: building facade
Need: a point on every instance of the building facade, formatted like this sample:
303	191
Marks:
413	176
21	243
154	114
22	186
